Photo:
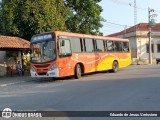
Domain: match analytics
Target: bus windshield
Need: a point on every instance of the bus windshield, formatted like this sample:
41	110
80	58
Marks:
42	49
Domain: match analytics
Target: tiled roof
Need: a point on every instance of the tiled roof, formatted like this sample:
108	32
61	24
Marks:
138	27
13	42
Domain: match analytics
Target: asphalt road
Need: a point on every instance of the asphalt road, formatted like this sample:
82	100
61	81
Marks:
135	88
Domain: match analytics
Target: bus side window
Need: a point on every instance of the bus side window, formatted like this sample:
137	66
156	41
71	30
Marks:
118	46
110	46
64	47
89	45
76	44
125	46
99	46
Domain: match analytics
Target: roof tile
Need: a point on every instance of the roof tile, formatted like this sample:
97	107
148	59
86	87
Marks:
138	27
13	42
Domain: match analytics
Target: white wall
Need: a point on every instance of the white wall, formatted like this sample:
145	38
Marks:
156	54
2	63
141	46
133	45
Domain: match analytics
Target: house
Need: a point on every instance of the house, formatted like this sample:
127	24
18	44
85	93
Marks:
139	41
12	50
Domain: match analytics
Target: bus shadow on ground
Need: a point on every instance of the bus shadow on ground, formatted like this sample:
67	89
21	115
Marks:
60	79
45	80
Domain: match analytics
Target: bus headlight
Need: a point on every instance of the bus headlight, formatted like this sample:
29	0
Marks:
32	69
53	67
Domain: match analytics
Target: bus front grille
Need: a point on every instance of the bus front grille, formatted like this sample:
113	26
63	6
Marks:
44	73
42	66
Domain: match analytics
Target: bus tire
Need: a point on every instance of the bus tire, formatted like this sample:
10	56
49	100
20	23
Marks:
115	66
78	71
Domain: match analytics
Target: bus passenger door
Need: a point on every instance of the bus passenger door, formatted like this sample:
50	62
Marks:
64	61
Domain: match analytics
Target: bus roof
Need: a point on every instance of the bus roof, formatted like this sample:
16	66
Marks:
57	33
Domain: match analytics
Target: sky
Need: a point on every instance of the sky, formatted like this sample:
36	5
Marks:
119	14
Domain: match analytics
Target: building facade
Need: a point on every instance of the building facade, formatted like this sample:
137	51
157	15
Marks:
139	42
12	49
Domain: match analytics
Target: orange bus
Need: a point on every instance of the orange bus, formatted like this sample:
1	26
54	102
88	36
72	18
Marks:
61	54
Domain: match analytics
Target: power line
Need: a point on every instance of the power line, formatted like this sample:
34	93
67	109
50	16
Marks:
115	28
112	25
108	32
115	23
130	4
119	2
113	31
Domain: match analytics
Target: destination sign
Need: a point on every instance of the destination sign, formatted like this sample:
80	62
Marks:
41	37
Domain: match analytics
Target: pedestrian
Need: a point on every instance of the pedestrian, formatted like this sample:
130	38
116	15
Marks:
18	68
23	69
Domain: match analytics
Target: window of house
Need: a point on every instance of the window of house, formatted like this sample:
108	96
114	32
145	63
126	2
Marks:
147	48
158	48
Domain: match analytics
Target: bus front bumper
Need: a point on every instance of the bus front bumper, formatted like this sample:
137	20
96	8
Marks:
51	73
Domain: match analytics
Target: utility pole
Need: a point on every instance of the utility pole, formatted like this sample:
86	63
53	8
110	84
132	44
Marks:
151	23
135	24
135	12
149	36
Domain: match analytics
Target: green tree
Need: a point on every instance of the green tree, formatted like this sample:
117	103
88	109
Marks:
0	16
24	18
84	16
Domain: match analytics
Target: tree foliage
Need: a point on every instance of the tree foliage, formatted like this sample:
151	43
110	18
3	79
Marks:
24	18
0	16
84	16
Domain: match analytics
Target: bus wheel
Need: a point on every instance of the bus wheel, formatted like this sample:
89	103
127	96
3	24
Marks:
115	66
77	72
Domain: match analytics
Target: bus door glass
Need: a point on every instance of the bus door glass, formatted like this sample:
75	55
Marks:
64	48
64	56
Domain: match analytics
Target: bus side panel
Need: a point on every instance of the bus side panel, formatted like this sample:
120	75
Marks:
86	59
65	66
92	62
124	59
106	60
